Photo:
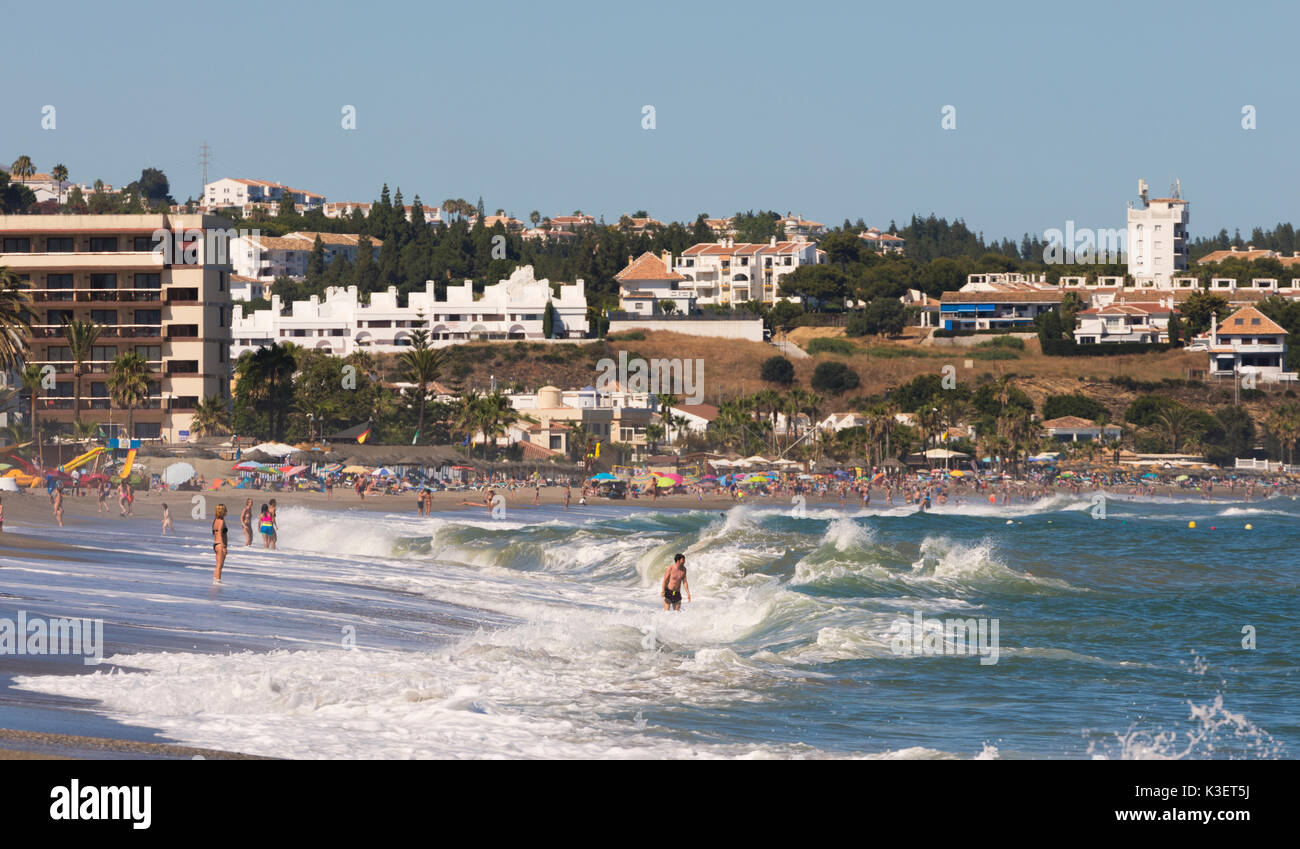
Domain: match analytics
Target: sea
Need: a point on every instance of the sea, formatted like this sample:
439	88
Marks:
814	631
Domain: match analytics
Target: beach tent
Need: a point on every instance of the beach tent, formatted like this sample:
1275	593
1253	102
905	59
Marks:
177	473
275	449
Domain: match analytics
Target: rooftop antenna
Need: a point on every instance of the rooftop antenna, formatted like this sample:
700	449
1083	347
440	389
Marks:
1178	187
205	155
1142	191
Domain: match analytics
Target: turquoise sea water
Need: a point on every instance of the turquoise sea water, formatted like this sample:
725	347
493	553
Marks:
542	634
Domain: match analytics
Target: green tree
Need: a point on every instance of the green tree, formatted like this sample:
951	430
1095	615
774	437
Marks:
834	377
15	319
777	369
882	316
128	385
421	365
1197	309
81	337
211	417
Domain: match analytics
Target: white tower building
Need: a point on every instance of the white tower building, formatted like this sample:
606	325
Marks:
1157	237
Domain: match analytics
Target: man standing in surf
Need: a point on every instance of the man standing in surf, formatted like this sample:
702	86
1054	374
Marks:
674	582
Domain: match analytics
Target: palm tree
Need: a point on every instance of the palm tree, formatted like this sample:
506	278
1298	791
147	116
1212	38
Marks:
15	319
81	336
1284	424
681	423
497	414
1175	424
421	365
211	417
32	378
60	173
654	433
534	217
85	431
270	372
468	415
128	385
22	168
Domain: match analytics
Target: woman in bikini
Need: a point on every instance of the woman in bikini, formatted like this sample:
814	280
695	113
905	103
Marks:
219	541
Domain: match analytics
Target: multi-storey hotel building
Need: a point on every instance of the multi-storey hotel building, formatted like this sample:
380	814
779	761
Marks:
171	306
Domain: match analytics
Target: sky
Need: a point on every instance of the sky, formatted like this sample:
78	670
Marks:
828	110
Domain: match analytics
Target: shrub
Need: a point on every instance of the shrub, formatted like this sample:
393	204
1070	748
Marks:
832	345
1003	342
777	370
834	377
1056	406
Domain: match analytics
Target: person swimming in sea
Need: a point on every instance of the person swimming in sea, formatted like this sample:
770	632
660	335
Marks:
674	582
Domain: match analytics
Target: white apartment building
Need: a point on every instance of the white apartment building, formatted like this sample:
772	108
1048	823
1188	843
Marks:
728	273
344	209
268	257
247	194
1157	237
340	324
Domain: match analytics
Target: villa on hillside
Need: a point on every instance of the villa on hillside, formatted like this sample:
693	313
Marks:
1247	342
1125	322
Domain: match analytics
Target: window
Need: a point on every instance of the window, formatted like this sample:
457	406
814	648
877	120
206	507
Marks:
100	355
103	316
103	243
152	317
148	430
55	282
21	245
60	244
148	281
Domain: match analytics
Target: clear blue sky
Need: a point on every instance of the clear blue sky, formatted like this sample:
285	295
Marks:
828	109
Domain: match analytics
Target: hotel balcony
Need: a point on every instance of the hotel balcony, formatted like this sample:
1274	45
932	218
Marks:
97	260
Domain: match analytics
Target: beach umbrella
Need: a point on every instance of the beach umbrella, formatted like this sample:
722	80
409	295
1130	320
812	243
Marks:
1181	478
604	476
247	465
675	478
177	473
382	472
294	470
665	483
356	470
334	467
